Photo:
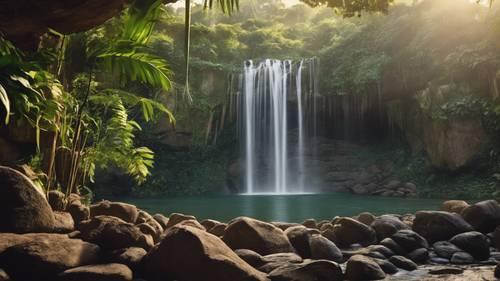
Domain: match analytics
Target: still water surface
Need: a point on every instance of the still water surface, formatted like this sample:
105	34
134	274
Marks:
288	208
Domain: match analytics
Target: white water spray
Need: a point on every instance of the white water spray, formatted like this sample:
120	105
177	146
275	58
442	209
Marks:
267	88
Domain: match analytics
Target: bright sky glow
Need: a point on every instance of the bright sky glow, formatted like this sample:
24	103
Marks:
287	2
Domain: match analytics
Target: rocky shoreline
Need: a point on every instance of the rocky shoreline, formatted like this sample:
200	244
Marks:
59	238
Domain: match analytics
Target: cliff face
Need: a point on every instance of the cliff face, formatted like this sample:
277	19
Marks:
24	21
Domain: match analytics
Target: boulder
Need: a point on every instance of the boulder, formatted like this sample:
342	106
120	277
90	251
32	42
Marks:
308	271
148	225
439	226
176	218
409	240
386	225
57	200
474	243
299	238
419	255
454	206
23	208
189	254
284	225
386	252
445	249
386	266
261	237
47	255
329	234
366	218
78	211
101	272
130	257
360	268
209	224
8	240
497	271
63	222
218	230
483	216
393	246
349	231
124	211
112	233
251	257
310	223
403	263
162	220
324	249
273	261
462	258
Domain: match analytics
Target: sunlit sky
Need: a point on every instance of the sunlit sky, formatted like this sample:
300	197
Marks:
287	2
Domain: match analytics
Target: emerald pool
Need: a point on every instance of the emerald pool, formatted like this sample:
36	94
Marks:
287	208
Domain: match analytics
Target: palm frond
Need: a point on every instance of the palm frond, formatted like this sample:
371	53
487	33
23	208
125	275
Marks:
135	63
140	20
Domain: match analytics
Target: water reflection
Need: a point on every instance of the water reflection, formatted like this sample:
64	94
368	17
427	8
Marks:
287	208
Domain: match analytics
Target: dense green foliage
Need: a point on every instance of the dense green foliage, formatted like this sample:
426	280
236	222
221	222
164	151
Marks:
93	92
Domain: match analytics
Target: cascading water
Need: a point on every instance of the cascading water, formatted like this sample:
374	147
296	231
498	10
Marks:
264	125
300	121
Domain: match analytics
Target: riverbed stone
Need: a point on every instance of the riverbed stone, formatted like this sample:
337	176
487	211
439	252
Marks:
310	223
78	211
439	226
273	261
162	220
324	249
409	240
393	246
386	252
190	254
23	207
308	271
130	257
419	255
403	263
386	225
112	233
251	257
474	243
386	266
349	231
63	222
483	216
176	218
101	272
299	237
462	258
261	237
45	256
454	206
124	211
218	230
366	218
57	200
360	268
445	249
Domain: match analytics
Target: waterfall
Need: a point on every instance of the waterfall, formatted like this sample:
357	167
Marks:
268	96
300	119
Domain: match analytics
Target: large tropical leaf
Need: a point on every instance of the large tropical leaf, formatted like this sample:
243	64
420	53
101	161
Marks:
140	20
135	63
